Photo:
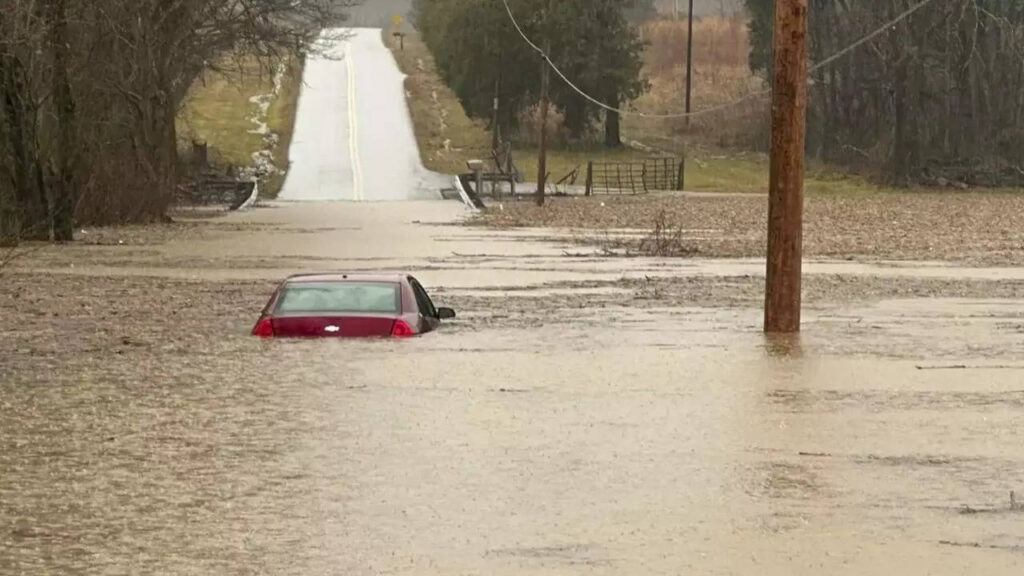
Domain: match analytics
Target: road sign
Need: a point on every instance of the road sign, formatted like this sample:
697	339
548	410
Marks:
396	20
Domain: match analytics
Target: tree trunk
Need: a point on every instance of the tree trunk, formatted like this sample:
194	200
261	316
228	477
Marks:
10	227
171	171
612	128
903	125
29	193
9	224
574	116
64	193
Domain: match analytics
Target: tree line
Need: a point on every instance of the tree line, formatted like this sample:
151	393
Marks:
482	57
938	98
90	91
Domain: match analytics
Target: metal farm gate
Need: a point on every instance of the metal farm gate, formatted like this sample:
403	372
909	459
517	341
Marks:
639	177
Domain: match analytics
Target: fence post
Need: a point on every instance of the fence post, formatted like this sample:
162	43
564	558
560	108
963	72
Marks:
200	155
590	178
681	179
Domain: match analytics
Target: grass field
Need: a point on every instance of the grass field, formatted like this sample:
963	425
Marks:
218	111
447	138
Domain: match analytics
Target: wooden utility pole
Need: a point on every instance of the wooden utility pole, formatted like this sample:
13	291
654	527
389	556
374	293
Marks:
786	188
542	160
689	63
689	91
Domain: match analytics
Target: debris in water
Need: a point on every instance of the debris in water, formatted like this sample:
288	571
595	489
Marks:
960	544
977	367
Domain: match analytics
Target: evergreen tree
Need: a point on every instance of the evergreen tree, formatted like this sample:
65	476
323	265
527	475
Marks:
480	55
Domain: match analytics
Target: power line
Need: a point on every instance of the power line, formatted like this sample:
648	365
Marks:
871	36
882	29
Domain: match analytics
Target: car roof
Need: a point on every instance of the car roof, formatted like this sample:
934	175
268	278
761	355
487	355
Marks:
345	277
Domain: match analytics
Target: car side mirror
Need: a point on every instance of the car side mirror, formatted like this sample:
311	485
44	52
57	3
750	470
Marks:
445	313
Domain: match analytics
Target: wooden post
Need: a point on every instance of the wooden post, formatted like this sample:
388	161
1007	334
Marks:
542	160
495	130
682	173
590	178
786	188
200	155
510	168
496	119
478	176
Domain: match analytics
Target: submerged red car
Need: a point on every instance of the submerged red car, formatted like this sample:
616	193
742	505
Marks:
349	306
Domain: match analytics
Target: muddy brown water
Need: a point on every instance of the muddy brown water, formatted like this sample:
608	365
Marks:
549	430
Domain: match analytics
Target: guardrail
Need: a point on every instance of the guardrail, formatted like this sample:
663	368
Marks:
233	194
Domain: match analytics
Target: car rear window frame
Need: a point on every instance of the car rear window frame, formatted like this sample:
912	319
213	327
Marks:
396	310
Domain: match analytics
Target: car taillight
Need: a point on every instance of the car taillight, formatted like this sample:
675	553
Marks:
401	330
264	328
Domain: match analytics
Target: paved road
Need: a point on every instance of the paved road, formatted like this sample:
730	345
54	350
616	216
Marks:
354	138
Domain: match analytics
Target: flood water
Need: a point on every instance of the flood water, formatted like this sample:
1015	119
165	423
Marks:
142	431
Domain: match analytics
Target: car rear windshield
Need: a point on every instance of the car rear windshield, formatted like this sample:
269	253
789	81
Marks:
334	297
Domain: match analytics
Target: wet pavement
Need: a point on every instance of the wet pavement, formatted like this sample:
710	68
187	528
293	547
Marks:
354	136
583	415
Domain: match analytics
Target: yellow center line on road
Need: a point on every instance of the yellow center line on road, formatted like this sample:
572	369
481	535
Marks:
353	126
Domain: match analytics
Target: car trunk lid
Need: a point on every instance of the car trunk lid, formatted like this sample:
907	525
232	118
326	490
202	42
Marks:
352	326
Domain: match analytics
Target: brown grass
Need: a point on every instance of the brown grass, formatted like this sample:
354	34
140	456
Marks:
218	111
447	137
717	42
721	76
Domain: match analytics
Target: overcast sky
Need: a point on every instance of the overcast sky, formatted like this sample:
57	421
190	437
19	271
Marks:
378	13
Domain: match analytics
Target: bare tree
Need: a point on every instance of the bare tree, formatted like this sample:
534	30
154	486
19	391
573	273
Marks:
90	91
65	149
22	97
937	99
